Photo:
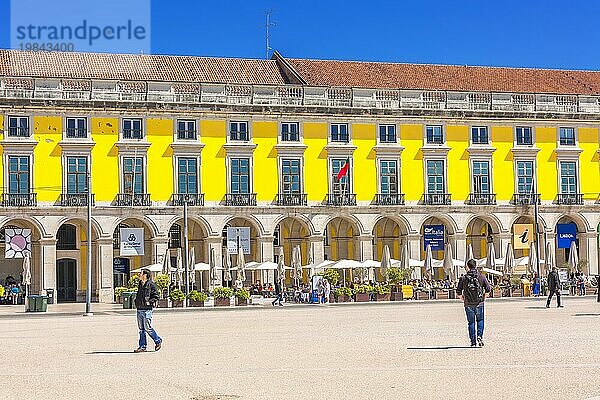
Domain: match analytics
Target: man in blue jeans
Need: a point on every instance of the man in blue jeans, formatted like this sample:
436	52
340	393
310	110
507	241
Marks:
472	289
146	297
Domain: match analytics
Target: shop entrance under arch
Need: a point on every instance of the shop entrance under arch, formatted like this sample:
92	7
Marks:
66	280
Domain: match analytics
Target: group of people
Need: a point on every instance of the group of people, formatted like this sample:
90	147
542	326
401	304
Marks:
577	284
12	291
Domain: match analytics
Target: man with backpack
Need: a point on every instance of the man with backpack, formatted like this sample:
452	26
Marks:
553	287
473	288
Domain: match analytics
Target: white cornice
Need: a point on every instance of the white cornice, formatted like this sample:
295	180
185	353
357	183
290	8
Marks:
435	150
525	151
241	149
481	151
388	149
77	145
568	152
340	149
290	149
126	146
187	147
20	145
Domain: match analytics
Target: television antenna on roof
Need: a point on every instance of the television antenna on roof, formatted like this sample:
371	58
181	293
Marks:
268	24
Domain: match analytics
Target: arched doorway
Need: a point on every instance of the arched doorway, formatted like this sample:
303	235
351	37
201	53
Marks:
131	262
522	249
240	222
289	233
439	231
341	240
196	240
388	232
565	227
480	232
66	280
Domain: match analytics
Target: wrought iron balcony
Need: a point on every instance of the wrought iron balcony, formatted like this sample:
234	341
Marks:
192	199
292	199
437	199
75	199
135	199
339	199
521	199
389	199
570	199
19	199
76	133
18	132
482	199
240	199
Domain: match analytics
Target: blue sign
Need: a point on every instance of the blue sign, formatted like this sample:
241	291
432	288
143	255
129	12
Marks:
120	265
567	233
433	235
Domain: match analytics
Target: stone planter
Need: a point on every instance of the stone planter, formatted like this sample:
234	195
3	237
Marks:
220	302
240	302
193	303
441	295
176	303
516	293
397	296
163	303
422	295
496	292
361	297
382	297
344	299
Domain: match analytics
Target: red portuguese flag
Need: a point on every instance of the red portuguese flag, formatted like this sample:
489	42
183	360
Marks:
344	171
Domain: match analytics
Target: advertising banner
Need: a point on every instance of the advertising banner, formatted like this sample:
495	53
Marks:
433	235
567	233
237	235
522	236
132	241
18	242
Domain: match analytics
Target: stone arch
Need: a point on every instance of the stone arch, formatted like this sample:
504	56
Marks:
341	235
561	255
197	234
255	233
480	231
528	219
149	236
301	218
449	222
389	231
290	232
358	226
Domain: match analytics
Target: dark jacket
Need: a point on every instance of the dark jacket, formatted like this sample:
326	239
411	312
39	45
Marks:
277	287
146	296
553	281
487	288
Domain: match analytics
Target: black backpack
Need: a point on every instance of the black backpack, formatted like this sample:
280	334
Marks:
472	289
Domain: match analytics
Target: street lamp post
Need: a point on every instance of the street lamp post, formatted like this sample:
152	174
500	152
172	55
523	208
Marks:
88	292
537	235
185	246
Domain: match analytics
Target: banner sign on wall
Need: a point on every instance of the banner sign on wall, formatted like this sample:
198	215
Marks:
567	233
237	235
132	241
433	235
18	242
522	236
120	265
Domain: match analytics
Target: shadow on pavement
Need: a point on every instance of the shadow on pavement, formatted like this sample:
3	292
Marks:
587	315
111	352
440	348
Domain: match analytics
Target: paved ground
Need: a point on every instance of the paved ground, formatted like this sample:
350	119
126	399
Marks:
412	350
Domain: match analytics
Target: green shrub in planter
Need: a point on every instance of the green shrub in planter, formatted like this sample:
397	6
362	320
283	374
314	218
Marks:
162	283
515	282
343	291
177	295
399	275
133	281
195	295
119	290
222	292
364	289
381	289
242	294
332	275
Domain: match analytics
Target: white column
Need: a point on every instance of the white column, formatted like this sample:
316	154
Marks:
159	248
504	239
104	269
47	262
414	251
366	247
588	250
215	243
317	246
460	245
265	249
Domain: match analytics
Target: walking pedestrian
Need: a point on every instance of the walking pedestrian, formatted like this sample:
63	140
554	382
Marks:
473	288
326	290
145	299
278	293
553	287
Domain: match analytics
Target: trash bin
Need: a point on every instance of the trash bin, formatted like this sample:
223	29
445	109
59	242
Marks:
50	294
128	299
36	303
42	303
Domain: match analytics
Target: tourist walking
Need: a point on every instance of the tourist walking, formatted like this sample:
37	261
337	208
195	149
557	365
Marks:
145	299
326	290
472	289
553	287
278	293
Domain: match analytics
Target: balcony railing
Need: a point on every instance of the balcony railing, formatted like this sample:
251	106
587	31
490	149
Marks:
75	199
19	199
291	199
76	133
389	199
240	199
294	95
18	132
527	199
437	199
135	199
570	199
192	199
339	199
482	199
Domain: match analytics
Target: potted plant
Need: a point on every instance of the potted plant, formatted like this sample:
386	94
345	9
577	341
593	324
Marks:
118	293
517	288
442	294
241	297
382	292
496	291
362	293
133	282
222	296
343	294
162	284
332	275
177	297
196	298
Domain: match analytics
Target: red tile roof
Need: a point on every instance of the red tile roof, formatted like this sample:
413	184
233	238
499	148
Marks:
445	77
139	67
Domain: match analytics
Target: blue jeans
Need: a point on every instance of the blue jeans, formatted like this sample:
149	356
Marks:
144	320
475	313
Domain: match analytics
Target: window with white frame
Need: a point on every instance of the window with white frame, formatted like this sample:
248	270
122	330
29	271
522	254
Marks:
76	128
239	175
481	177
566	136
434	134
187	175
133	175
523	136
340	176
568	177
388	176
132	128
19	174
524	177
387	134
77	175
18	126
436	182
290	176
238	131
290	132
479	135
186	129
339	133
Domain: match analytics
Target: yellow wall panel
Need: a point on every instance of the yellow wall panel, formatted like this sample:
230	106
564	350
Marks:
589	165
213	134
47	160
1	149
315	161
364	137
265	172
105	158
547	168
502	163
160	159
457	138
411	137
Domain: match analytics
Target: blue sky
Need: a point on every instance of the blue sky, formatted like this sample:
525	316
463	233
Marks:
548	34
